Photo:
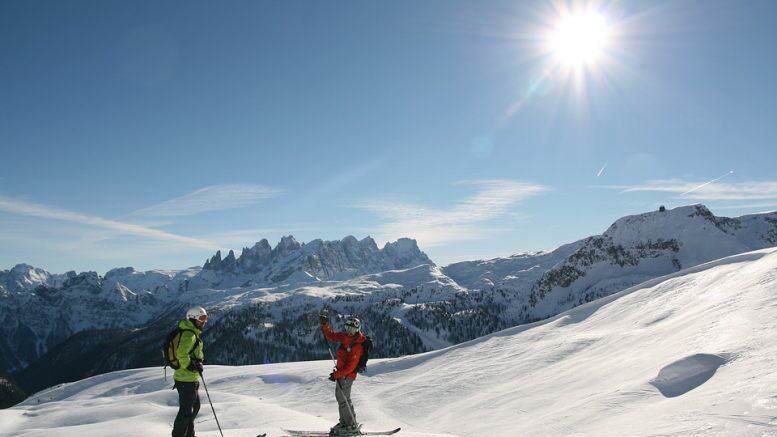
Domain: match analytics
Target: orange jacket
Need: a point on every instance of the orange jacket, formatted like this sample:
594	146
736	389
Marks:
348	353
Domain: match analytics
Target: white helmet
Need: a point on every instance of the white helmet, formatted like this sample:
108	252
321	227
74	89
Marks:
198	314
353	325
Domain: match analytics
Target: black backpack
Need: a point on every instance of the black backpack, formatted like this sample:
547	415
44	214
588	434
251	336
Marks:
366	348
171	345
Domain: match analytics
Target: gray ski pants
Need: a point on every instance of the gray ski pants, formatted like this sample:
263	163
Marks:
343	396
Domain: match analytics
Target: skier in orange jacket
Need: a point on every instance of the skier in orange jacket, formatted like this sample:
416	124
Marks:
348	355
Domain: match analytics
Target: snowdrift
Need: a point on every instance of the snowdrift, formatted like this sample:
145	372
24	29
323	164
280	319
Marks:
692	353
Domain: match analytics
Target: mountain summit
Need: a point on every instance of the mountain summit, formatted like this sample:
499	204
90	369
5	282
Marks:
293	262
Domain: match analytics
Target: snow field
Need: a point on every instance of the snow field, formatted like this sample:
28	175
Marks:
689	354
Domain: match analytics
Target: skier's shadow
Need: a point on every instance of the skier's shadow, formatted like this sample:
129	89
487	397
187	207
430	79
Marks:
281	378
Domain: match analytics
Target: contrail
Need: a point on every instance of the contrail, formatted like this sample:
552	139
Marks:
707	183
601	170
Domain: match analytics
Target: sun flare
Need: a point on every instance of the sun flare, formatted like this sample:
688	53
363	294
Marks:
579	40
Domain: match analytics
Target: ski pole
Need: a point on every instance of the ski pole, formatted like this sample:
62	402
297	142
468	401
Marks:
211	404
337	381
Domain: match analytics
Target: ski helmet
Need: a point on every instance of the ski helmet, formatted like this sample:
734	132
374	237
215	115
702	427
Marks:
198	314
353	325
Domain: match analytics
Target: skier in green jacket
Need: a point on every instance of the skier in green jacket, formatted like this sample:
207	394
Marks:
187	376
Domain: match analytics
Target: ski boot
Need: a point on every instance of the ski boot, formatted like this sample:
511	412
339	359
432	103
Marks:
345	430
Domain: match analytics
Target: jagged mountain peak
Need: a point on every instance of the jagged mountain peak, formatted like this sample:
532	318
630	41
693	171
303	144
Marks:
350	240
287	244
22	267
402	245
260	246
23	277
87	280
120	271
318	259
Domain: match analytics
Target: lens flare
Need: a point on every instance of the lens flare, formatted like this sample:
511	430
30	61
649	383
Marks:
580	39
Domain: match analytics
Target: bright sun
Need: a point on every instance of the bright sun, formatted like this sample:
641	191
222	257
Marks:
580	39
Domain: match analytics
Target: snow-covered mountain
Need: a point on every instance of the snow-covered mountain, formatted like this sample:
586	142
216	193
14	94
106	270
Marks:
263	303
26	277
687	354
39	310
631	250
291	262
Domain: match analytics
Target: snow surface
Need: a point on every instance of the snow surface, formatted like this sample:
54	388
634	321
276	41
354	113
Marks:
688	354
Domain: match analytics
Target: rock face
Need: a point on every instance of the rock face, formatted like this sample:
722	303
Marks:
10	393
318	260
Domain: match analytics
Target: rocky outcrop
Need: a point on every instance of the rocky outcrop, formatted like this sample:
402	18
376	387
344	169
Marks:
318	260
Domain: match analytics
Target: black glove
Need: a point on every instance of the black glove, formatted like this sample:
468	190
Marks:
332	377
196	366
323	319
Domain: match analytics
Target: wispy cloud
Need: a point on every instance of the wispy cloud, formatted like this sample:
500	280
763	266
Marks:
21	207
710	190
462	221
213	198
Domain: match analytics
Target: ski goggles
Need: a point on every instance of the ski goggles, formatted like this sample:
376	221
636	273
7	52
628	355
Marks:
351	329
203	318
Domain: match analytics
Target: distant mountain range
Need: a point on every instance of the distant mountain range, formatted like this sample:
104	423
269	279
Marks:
62	327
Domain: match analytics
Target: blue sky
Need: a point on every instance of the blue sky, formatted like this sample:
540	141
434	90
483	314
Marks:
152	134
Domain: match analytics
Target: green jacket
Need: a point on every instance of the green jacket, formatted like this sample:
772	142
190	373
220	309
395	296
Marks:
186	350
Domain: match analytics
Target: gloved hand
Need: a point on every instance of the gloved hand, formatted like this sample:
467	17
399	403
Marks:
332	377
323	319
196	366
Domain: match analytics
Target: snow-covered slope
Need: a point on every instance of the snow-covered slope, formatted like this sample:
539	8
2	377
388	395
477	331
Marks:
525	268
689	354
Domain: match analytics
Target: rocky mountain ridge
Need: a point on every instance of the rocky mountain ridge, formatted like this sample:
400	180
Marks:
39	310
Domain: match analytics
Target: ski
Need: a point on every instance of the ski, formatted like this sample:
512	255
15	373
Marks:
297	433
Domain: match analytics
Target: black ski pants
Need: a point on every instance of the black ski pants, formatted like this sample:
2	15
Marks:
188	407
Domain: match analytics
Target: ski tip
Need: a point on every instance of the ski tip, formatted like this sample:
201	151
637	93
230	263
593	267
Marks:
393	431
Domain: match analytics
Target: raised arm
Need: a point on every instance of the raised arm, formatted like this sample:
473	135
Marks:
332	336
